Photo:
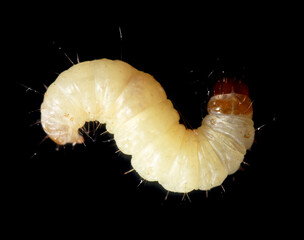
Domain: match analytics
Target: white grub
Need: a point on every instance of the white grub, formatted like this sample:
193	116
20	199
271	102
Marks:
135	108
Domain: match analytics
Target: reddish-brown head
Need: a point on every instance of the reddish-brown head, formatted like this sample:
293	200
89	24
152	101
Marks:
230	97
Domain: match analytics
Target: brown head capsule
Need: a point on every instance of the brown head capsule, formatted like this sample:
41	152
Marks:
230	97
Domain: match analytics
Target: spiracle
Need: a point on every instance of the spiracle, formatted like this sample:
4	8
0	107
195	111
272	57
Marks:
135	108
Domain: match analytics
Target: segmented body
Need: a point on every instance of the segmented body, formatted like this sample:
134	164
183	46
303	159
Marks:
145	124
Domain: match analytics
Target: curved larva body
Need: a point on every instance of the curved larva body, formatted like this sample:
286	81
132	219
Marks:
145	125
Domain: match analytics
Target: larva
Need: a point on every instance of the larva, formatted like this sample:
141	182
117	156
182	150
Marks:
145	125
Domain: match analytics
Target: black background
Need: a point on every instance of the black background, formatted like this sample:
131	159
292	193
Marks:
86	185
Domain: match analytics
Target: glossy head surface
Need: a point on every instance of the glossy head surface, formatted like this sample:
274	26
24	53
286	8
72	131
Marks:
230	97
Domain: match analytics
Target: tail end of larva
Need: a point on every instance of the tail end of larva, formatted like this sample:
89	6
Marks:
230	97
61	135
65	139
